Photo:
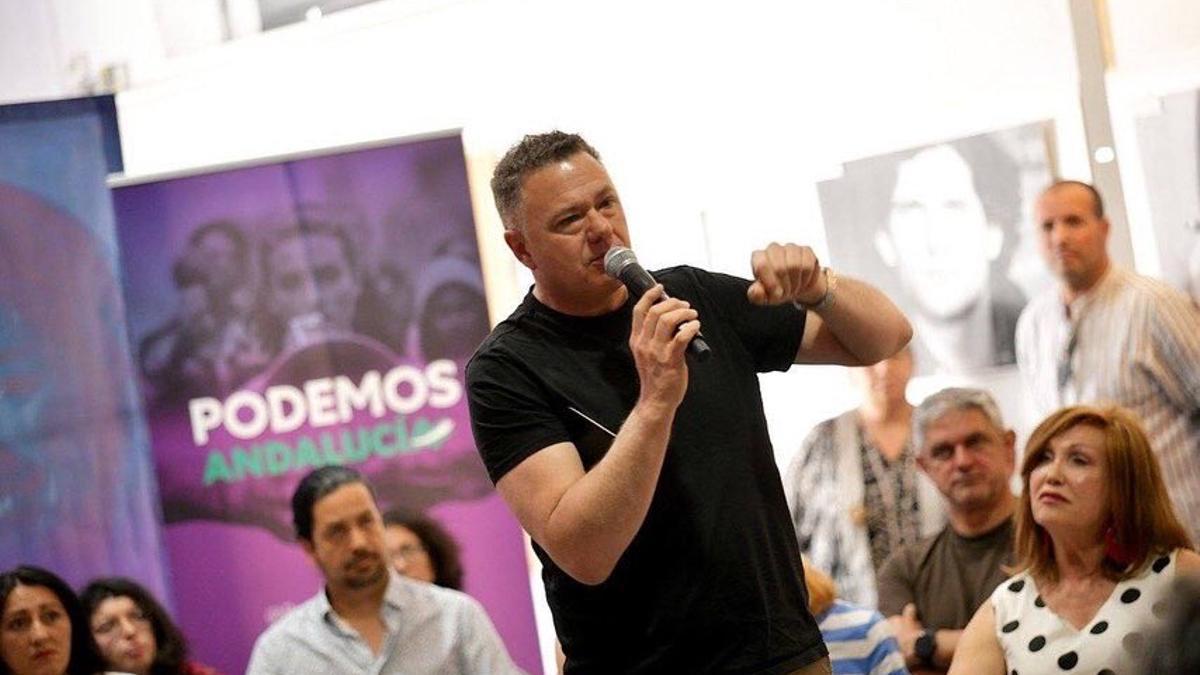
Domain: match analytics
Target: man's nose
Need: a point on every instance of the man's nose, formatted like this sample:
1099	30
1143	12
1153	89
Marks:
599	227
358	539
963	456
1058	233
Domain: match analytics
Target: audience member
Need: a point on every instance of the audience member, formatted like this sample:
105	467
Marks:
1108	335
368	618
133	632
421	549
931	588
853	489
42	627
860	642
1097	546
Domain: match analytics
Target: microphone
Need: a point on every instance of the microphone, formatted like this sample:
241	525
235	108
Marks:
620	263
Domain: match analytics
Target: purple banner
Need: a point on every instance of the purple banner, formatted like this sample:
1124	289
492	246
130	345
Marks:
302	313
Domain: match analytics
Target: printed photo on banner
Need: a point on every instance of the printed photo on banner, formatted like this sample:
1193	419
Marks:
1169	142
300	313
945	229
310	312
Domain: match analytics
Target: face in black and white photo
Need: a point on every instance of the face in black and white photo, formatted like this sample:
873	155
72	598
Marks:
937	227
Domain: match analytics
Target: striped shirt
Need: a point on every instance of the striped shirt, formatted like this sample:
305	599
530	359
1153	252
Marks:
430	630
860	641
1130	341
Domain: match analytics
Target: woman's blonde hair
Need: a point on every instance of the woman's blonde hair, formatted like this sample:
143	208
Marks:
821	589
1140	514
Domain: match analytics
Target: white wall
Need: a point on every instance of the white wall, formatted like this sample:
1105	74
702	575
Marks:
716	121
59	48
1156	53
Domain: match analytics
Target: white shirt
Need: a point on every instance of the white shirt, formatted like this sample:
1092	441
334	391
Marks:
430	630
1136	343
1036	640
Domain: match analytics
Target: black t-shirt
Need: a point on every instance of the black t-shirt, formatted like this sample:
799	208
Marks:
711	582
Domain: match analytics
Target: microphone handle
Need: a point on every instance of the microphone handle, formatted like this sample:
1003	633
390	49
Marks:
638	281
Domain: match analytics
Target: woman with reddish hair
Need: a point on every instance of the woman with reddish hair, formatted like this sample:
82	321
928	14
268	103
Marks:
1098	546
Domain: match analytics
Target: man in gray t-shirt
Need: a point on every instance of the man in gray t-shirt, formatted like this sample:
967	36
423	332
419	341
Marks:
930	589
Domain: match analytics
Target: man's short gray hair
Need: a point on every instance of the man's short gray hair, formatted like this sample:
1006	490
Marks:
949	400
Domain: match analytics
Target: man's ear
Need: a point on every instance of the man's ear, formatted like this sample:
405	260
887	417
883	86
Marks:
309	550
1010	442
921	461
515	239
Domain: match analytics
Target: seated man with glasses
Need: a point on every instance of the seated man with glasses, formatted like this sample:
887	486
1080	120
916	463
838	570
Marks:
930	589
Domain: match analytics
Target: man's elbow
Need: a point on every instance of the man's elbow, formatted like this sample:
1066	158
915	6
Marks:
578	558
587	570
890	342
904	335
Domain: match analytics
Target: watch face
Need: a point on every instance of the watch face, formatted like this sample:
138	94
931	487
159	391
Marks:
924	647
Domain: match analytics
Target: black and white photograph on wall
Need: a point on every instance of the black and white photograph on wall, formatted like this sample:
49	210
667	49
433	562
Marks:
1169	141
945	229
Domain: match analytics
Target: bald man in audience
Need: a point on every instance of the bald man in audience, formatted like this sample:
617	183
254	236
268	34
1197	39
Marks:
1107	335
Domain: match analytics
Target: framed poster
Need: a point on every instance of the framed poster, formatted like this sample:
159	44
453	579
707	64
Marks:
945	230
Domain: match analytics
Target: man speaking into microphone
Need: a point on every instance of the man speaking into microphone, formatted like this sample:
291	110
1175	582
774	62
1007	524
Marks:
646	479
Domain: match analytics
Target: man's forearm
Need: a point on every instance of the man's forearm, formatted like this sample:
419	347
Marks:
599	514
865	321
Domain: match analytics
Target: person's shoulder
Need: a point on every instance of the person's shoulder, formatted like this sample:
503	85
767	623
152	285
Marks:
912	557
500	346
435	596
505	332
296	622
1148	290
1012	589
455	607
1043	304
818	442
1187	562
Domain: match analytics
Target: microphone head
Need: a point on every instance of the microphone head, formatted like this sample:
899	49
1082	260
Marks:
617	259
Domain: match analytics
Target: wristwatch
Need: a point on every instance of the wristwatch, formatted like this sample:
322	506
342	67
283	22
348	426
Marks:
925	647
827	299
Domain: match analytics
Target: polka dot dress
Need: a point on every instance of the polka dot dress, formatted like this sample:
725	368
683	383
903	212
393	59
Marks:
1037	641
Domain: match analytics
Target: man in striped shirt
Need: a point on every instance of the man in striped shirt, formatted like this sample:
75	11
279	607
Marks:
1109	335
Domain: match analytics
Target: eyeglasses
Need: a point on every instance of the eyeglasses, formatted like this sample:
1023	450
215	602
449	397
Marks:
408	552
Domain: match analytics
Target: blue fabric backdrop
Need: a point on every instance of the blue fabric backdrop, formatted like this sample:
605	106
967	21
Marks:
77	493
